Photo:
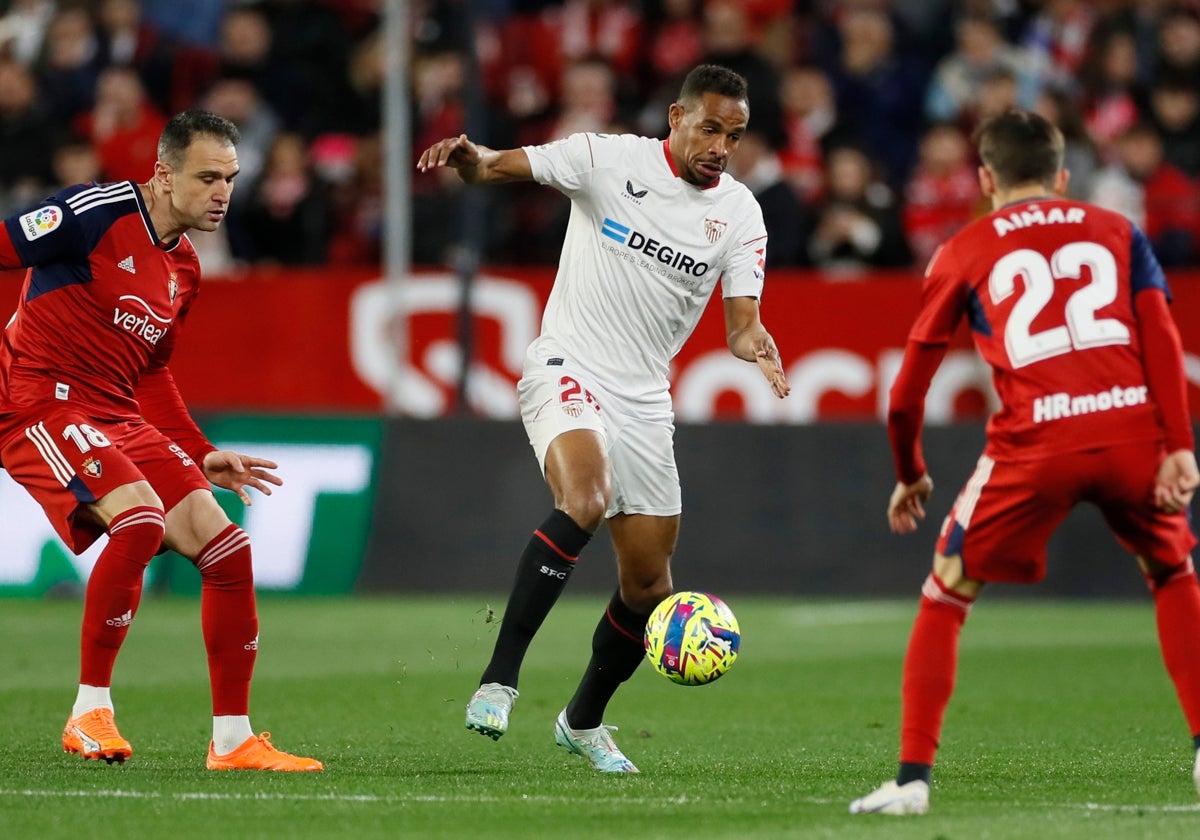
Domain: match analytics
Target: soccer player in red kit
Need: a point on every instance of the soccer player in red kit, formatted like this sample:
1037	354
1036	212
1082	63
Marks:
91	423
1068	305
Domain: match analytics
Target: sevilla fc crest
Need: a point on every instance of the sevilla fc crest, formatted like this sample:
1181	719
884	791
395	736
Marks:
172	287
713	229
92	467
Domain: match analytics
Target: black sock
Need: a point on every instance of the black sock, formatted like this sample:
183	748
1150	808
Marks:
911	771
542	575
617	650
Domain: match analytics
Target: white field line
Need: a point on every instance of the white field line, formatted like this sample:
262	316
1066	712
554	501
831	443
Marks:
554	800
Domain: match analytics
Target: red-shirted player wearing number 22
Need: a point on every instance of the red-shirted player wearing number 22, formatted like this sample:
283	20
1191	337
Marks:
1068	305
91	423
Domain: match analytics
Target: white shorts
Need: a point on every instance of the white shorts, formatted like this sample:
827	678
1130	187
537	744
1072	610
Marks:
557	397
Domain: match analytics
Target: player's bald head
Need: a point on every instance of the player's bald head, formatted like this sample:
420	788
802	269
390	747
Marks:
183	129
1021	147
712	78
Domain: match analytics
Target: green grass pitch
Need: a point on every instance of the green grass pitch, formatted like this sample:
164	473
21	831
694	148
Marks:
1063	725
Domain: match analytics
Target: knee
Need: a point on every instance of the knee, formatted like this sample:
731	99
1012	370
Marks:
140	529
1159	574
226	561
643	596
587	508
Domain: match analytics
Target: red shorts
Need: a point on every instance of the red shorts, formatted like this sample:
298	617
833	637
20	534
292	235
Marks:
1007	511
66	460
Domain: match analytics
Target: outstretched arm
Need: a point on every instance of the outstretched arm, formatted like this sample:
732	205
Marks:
1162	356
906	412
748	339
475	163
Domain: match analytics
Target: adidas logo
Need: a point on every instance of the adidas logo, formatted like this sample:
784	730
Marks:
252	646
127	264
121	620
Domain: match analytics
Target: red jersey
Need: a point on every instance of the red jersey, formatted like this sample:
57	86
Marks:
99	309
1050	290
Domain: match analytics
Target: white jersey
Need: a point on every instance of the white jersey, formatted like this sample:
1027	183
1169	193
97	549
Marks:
643	252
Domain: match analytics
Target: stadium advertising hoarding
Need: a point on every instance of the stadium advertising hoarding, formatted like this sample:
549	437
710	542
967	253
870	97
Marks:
338	342
309	537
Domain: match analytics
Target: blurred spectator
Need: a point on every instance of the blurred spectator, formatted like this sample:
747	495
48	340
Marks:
244	51
1179	44
368	64
729	41
1080	155
127	40
1153	194
980	53
537	46
287	212
195	22
23	28
1056	38
878	91
676	43
75	162
757	166
999	92
943	193
309	39
123	127
588	103
1175	113
69	63
358	208
1112	95
810	124
238	100
857	223
26	133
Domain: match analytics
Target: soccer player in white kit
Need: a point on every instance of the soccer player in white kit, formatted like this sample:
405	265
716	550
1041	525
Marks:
654	226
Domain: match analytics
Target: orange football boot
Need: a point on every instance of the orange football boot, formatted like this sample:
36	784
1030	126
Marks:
94	735
258	753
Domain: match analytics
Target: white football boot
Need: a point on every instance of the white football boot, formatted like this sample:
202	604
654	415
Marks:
488	709
891	798
596	745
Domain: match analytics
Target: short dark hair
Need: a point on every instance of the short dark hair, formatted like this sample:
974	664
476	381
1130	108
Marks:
1021	147
184	128
712	78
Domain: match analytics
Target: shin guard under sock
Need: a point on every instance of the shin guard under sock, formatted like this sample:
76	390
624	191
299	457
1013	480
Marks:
229	619
929	671
114	590
1177	613
617	650
542	574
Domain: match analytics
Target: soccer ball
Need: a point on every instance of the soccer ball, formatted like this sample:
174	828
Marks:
692	638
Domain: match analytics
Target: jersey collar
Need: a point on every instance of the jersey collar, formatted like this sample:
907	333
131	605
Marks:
675	169
158	243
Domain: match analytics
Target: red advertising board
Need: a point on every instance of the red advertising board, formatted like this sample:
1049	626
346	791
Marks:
336	342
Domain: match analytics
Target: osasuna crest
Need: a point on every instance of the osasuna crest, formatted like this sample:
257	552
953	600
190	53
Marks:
713	229
92	467
172	287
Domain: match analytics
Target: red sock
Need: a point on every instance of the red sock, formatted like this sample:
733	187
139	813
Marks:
114	589
1177	610
929	670
229	618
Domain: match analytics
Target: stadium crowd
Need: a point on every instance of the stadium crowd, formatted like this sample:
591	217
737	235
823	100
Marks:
861	110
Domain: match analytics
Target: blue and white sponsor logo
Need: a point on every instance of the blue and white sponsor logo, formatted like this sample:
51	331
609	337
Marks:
615	230
651	247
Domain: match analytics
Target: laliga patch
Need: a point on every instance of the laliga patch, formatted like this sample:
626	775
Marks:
41	221
92	467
